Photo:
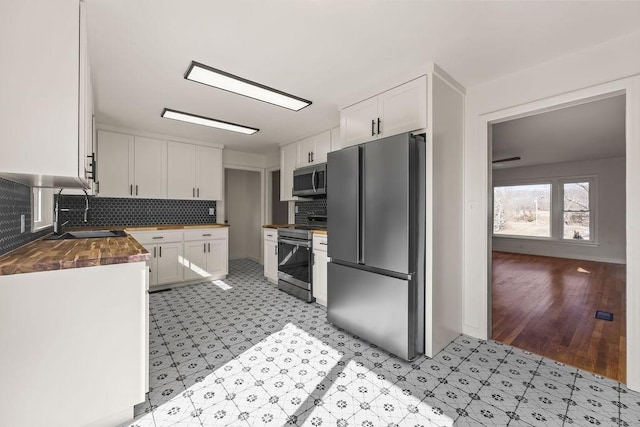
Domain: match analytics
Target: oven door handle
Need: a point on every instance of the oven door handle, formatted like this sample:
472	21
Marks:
304	244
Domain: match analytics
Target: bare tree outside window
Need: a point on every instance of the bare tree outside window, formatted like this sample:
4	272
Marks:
522	210
576	211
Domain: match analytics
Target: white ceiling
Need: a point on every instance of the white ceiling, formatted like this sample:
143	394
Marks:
332	52
595	130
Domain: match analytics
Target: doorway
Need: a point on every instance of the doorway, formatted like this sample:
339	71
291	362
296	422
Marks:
243	213
557	192
279	209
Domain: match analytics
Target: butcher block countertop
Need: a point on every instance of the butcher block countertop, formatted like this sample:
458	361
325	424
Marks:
47	255
149	227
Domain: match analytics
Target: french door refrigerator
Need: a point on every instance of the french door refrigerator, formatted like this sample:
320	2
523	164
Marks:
376	229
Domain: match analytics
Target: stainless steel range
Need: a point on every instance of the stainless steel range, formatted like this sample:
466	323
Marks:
295	261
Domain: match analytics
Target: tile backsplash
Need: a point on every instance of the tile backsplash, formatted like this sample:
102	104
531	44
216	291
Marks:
15	200
310	207
111	211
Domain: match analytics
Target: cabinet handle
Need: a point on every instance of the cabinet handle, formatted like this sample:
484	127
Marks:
323	244
160	251
379	125
312	154
373	127
309	157
154	253
136	189
193	192
131	189
204	247
209	246
157	237
275	249
206	235
198	192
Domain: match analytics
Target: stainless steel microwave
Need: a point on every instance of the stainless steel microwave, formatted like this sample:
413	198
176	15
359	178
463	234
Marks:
310	181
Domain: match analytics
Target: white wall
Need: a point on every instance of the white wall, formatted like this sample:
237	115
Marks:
240	158
243	201
590	72
609	210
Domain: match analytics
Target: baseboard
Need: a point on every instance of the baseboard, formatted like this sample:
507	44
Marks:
565	256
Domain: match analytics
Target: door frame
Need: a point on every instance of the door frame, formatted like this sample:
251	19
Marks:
221	206
478	291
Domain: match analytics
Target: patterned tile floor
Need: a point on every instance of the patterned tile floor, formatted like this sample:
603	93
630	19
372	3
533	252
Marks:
239	352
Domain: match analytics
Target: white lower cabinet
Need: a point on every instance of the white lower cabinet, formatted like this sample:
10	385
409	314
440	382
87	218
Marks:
320	261
206	253
270	240
165	247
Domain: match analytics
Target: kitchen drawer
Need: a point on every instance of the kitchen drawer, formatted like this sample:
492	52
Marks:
205	234
158	236
270	234
319	243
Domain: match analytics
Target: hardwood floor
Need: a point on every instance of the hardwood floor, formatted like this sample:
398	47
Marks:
544	305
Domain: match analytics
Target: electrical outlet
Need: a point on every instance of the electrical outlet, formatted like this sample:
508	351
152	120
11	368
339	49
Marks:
296	209
23	225
212	211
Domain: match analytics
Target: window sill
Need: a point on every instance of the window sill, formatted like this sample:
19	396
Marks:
576	242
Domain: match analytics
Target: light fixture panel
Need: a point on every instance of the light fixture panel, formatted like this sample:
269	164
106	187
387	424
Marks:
209	76
168	113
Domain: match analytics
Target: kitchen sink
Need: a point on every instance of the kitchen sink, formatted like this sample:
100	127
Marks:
89	234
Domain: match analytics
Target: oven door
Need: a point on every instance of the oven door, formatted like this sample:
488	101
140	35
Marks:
294	262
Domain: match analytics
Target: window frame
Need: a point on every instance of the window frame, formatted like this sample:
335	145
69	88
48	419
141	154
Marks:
557	208
41	208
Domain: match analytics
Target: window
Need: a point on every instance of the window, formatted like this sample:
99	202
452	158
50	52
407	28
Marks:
522	210
576	211
42	208
561	209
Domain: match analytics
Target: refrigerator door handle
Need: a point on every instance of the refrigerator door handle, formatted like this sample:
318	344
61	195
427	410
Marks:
361	205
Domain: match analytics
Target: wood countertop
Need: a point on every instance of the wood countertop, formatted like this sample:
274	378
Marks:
47	255
148	227
320	232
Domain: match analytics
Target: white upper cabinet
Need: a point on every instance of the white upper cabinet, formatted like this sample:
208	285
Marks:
313	150
194	171
209	173
150	168
398	110
131	166
181	171
115	157
288	157
44	92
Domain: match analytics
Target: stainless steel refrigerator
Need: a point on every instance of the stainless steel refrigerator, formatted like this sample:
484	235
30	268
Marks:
376	229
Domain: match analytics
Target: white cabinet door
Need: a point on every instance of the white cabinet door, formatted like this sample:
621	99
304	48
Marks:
152	263
115	164
209	173
181	170
218	257
322	146
358	122
320	260
150	168
305	150
195	254
170	263
288	157
403	108
271	259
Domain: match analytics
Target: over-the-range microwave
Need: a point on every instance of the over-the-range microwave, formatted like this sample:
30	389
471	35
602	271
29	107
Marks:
310	181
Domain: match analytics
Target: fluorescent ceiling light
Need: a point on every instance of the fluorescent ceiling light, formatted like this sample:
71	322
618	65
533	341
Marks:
206	121
219	79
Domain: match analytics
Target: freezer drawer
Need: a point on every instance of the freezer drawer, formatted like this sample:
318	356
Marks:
374	307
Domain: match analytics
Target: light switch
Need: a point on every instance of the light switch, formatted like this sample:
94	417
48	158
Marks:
23	225
212	211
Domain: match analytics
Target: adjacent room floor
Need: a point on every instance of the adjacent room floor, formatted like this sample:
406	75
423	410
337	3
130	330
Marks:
547	306
239	352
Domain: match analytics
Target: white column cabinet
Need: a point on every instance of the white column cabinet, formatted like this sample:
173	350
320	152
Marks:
194	171
313	150
270	246
320	261
288	158
398	110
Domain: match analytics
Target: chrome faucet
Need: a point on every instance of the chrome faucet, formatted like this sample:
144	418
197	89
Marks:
56	223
